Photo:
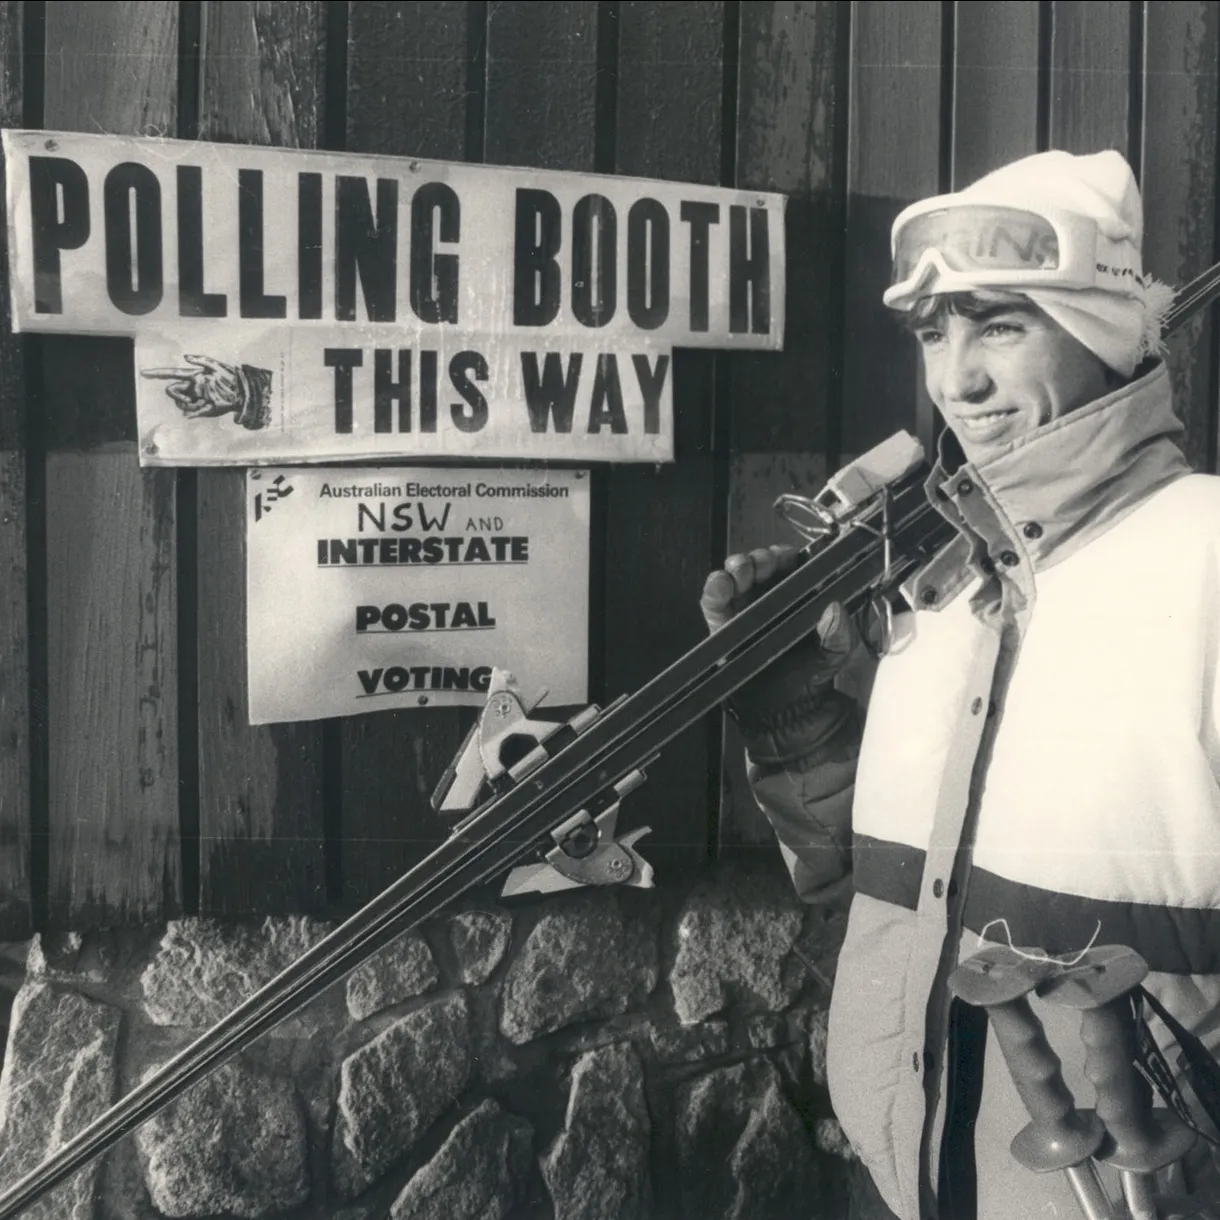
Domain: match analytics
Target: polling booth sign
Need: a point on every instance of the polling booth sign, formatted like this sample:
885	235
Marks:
403	587
301	306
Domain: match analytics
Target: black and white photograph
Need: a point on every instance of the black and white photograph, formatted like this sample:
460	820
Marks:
610	610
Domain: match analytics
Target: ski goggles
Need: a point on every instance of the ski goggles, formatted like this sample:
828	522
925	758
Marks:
979	245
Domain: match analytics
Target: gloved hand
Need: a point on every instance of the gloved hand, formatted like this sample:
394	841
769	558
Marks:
791	707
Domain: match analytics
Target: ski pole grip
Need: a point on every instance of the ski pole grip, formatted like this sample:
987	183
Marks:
1141	1139
1124	1098
1059	1135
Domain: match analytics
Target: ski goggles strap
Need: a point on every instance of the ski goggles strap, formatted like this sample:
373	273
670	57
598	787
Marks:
978	245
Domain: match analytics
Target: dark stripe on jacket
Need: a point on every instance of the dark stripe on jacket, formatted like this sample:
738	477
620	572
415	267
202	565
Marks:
1175	940
889	871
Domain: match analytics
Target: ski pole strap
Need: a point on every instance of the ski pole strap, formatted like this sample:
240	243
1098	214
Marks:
1200	1069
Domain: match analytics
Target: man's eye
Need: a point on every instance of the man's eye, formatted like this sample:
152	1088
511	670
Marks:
928	337
1002	330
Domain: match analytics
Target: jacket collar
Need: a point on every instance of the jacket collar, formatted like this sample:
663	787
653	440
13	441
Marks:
1050	492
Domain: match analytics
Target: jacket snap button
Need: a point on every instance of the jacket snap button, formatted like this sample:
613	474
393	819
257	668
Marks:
965	487
1031	529
915	1061
991	709
938	888
928	597
1009	559
976	707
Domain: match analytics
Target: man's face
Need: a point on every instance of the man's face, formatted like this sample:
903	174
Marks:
1008	370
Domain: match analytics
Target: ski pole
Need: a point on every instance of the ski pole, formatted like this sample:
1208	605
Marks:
1059	1137
1140	1139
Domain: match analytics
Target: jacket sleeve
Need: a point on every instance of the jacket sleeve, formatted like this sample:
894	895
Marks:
802	771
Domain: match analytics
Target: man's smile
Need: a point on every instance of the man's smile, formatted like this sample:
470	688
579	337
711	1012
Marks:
984	425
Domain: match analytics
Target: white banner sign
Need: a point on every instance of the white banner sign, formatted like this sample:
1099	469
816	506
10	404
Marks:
236	268
393	587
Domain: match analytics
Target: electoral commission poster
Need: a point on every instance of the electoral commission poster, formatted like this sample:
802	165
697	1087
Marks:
399	587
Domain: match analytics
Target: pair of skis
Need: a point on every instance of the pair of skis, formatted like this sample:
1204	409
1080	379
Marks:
561	792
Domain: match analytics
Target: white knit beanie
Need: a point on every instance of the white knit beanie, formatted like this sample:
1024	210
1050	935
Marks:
1120	319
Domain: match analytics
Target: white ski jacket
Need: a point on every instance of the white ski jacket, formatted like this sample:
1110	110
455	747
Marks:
1040	762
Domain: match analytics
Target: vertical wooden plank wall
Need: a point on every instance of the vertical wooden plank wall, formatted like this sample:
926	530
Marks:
407	68
661	524
995	86
541	84
260	788
852	109
894	158
112	700
792	138
1178	156
1090	75
15	910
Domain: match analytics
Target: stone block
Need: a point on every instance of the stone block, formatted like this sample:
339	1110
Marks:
582	960
53	955
480	940
817	1045
690	1043
402	970
104	956
235	1143
203	969
627	1027
58	1076
478	1174
735	935
598	1166
123	1190
743	1153
766	1030
395	1087
829	1137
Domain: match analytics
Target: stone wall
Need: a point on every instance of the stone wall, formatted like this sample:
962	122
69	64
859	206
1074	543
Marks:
600	1054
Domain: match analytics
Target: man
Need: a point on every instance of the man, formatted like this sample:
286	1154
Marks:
1040	758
